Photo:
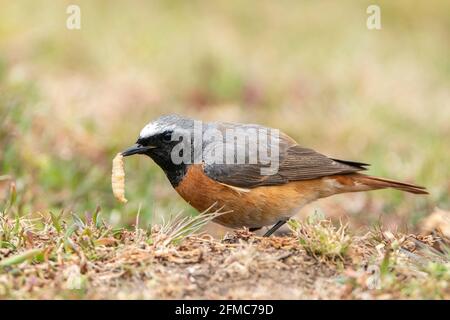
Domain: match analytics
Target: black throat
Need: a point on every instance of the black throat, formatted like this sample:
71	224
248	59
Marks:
177	175
174	172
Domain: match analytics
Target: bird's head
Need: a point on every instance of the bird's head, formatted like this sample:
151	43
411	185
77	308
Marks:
158	138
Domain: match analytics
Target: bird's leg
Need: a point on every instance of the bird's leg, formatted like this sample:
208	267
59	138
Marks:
274	228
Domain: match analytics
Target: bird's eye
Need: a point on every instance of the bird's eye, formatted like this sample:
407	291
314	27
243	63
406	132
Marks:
167	136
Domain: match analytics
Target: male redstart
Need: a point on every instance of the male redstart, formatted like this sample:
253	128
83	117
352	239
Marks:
258	175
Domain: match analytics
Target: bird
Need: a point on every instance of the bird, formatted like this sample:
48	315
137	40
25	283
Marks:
204	163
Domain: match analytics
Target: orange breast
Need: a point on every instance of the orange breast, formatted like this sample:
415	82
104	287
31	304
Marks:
254	208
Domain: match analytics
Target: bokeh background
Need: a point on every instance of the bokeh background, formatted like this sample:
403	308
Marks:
71	99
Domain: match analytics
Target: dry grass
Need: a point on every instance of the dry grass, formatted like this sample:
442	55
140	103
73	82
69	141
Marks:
321	239
57	257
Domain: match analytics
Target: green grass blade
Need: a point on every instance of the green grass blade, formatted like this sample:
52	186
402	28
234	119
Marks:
19	258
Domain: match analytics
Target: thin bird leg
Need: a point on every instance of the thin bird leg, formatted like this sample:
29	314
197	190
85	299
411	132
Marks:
274	228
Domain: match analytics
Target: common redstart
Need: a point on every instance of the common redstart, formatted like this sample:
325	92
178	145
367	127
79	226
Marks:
258	175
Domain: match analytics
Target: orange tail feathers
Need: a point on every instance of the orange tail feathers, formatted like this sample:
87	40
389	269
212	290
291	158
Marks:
381	183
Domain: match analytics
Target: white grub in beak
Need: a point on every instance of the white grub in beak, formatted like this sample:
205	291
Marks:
118	179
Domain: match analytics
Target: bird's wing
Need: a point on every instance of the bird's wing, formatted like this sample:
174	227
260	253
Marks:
295	163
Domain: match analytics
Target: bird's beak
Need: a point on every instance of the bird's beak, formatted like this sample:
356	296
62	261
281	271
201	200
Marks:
136	149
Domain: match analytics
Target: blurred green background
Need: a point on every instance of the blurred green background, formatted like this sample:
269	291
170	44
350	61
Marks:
71	99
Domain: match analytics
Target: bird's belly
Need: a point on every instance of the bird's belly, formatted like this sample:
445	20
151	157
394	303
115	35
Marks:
253	208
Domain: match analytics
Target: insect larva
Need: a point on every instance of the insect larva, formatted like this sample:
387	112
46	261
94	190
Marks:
118	179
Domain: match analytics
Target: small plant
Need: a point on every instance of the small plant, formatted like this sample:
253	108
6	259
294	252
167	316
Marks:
177	228
321	239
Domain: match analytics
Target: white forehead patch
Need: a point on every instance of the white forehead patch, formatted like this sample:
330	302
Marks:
149	130
154	128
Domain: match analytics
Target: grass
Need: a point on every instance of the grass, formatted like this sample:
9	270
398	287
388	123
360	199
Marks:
70	100
177	228
321	239
66	256
61	257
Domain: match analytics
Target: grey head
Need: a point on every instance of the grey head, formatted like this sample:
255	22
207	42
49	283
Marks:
158	139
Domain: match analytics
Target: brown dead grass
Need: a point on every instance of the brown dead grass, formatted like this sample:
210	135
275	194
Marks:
49	259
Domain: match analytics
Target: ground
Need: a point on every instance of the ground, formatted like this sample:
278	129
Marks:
47	258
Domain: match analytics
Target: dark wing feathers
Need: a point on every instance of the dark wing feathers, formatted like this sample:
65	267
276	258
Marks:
360	165
304	164
296	163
